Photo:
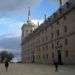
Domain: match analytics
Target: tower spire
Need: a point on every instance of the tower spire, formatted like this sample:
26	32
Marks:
45	17
29	14
60	2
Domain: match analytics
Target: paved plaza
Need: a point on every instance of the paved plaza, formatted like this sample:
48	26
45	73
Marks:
36	69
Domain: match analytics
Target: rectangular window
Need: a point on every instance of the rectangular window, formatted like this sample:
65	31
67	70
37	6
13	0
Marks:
66	41
57	32
47	47
57	22
26	30
57	43
43	48
52	46
47	56
51	35
45	29
38	56
65	28
42	39
46	37
31	30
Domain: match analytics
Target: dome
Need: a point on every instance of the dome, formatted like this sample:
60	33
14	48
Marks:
29	23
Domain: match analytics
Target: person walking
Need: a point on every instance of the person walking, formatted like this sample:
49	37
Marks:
55	62
6	64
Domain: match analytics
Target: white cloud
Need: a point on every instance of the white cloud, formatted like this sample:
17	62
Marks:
3	49
12	28
6	5
35	21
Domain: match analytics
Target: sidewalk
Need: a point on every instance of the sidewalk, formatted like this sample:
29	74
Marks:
34	69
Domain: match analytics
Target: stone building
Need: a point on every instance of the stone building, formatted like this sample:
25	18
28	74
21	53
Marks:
27	28
53	39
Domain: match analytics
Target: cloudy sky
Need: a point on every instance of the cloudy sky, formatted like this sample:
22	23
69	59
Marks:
13	13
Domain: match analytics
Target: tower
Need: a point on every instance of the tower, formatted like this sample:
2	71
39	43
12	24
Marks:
27	29
29	15
29	26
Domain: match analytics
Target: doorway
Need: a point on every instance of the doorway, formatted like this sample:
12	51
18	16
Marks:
59	57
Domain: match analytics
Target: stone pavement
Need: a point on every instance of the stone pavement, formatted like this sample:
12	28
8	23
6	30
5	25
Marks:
36	69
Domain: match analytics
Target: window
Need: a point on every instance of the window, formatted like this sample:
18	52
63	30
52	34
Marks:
45	29
42	39
57	32
55	15
38	56
65	28
31	31
47	56
57	43
43	48
49	19
46	46
46	37
51	35
57	22
52	46
26	30
38	49
66	41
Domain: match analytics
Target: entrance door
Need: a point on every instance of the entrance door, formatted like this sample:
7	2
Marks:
59	57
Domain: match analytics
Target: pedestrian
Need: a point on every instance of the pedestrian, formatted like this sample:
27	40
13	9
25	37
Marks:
56	65
6	64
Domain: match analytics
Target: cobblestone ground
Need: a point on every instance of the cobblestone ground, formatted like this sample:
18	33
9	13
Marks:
35	69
